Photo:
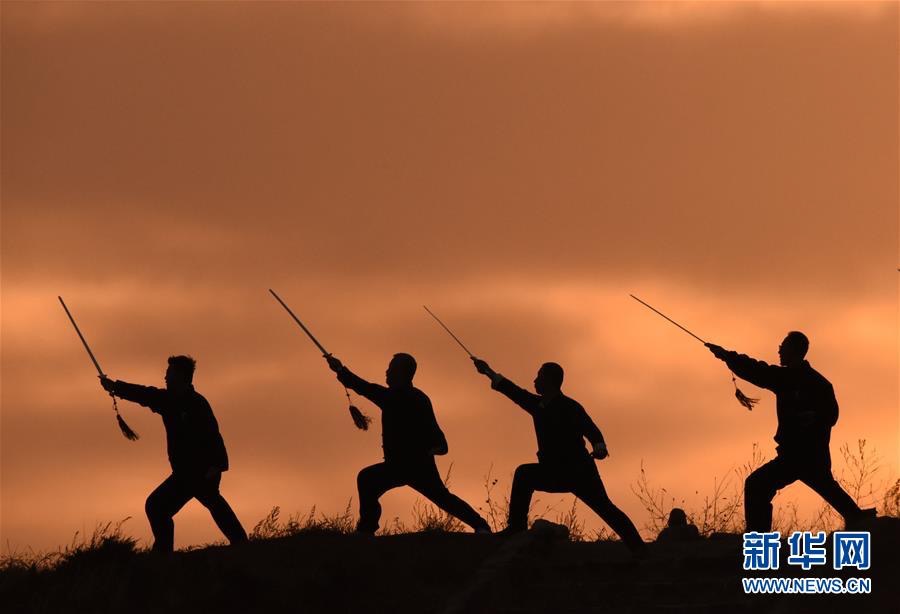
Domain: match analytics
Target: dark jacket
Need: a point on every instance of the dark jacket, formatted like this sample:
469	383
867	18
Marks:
192	433
561	424
797	389
409	429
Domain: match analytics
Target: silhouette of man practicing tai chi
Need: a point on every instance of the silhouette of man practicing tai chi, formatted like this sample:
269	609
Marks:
196	452
410	438
564	464
806	409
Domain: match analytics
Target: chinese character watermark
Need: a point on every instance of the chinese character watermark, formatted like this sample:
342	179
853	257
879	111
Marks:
852	549
807	549
761	550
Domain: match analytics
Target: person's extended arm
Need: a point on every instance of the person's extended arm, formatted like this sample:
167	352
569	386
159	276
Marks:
148	396
373	392
756	372
521	397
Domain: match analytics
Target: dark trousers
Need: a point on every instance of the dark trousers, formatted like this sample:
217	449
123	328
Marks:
813	469
580	479
422	475
176	490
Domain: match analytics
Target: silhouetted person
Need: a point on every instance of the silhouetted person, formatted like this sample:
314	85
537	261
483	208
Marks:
410	438
196	452
806	409
678	528
564	464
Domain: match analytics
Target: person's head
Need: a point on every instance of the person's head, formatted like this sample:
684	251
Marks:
793	349
400	370
549	378
180	372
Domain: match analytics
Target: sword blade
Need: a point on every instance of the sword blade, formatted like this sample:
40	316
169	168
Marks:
80	336
449	332
297	320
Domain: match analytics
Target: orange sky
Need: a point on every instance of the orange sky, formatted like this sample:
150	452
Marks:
520	168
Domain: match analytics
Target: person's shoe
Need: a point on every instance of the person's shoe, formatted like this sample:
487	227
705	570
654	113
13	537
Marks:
363	534
510	531
862	520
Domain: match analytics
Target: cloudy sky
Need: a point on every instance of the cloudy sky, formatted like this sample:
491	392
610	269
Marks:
520	168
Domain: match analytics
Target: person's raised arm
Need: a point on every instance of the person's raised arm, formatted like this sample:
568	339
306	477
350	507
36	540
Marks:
485	369
148	396
756	372
345	376
521	397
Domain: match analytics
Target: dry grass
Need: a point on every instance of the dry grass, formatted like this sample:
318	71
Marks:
721	510
105	542
273	527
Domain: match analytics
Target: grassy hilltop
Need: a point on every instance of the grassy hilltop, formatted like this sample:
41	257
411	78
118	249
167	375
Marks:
326	570
314	563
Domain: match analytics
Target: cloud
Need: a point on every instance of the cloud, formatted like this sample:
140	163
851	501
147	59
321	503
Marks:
701	159
536	19
521	186
656	394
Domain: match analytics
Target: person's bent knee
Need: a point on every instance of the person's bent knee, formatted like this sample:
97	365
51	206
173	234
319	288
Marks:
523	472
749	486
755	486
363	478
152	507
